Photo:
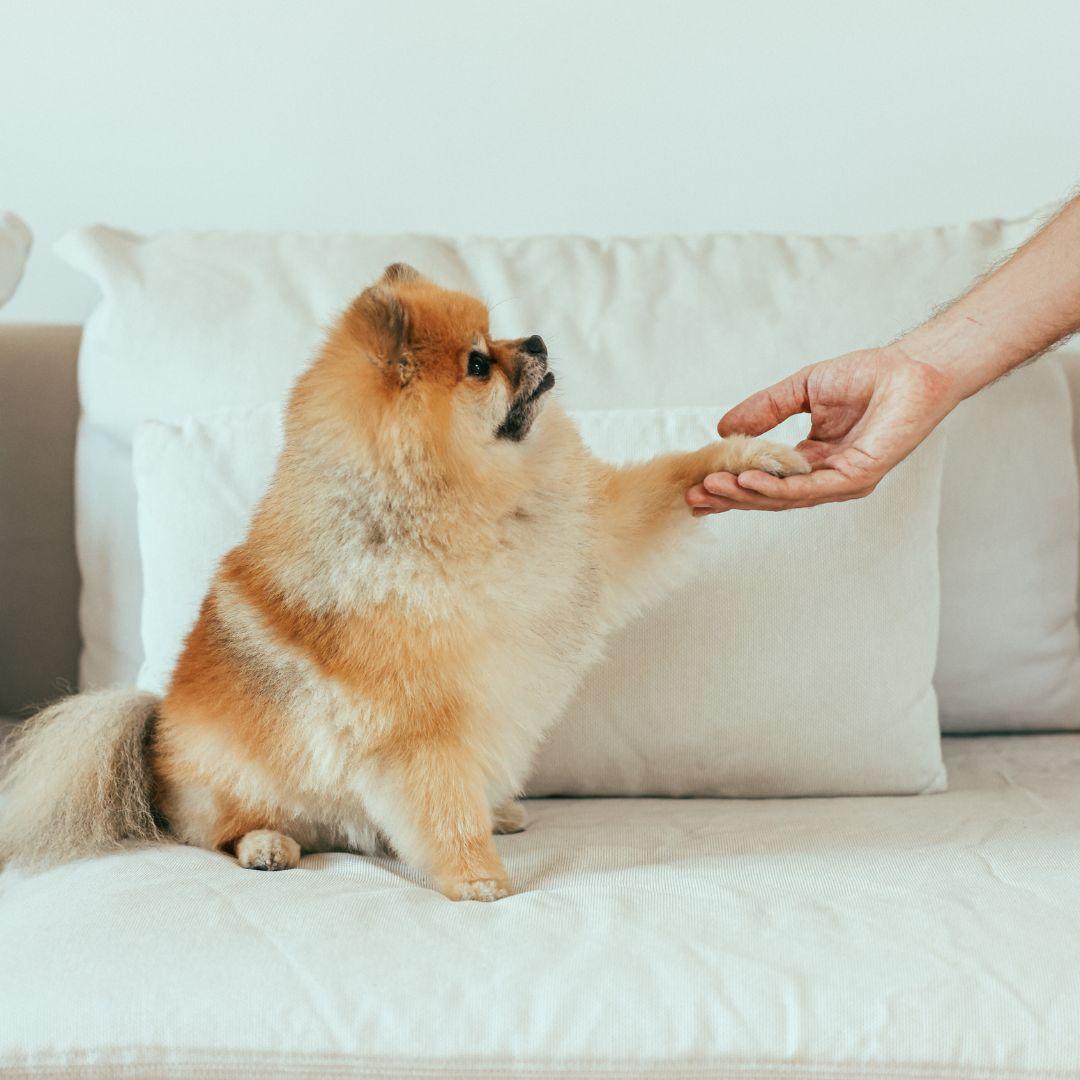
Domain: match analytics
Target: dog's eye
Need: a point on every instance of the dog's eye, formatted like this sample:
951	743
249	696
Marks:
479	365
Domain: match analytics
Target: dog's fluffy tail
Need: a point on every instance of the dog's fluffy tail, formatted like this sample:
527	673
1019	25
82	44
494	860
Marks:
75	780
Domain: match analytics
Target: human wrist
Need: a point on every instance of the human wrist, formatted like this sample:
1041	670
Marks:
959	348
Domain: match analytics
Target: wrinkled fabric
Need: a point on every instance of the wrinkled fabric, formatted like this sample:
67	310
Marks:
889	937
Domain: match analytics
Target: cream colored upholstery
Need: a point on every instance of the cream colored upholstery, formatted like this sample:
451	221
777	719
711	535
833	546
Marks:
894	938
670	939
1072	373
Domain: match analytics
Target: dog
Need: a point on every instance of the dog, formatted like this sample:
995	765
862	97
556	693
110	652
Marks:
436	562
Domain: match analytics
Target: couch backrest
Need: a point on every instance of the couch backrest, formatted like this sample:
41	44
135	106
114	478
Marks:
1072	373
39	580
39	577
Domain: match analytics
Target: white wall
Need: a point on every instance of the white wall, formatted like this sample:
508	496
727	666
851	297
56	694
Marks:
527	116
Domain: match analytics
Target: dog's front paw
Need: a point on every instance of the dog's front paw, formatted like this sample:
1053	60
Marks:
265	849
740	454
483	889
779	460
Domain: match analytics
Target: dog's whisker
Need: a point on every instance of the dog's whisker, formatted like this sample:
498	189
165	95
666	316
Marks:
498	303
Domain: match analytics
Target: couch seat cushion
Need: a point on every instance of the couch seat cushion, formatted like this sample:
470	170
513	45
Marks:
896	937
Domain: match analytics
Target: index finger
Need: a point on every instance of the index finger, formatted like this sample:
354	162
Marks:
823	485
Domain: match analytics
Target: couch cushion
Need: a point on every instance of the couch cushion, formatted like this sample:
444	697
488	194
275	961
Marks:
797	658
930	938
1008	657
191	322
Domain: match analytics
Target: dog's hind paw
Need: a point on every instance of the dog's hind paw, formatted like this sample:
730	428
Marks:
508	818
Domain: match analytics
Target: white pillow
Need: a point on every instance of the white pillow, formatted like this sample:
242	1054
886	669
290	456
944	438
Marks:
190	322
1008	657
797	661
15	240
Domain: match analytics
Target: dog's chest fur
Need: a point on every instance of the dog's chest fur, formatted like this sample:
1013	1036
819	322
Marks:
503	623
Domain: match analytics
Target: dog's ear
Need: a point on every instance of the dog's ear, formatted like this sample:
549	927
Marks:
400	273
381	322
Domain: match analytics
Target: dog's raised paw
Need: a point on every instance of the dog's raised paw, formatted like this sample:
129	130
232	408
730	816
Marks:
777	460
264	849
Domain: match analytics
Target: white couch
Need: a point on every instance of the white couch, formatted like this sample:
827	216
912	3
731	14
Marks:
885	937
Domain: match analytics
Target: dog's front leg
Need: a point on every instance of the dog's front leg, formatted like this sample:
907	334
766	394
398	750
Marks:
429	801
642	516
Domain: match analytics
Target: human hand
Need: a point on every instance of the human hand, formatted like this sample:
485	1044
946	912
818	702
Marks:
869	409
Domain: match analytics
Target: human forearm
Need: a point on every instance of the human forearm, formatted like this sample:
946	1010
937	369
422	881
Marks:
1027	305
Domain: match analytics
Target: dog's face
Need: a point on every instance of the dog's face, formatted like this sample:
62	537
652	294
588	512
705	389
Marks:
419	361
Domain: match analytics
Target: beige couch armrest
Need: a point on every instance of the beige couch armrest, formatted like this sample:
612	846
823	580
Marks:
39	578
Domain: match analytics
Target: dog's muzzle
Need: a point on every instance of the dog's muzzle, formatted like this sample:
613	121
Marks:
534	380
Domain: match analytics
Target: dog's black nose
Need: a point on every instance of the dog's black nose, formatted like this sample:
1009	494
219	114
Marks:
535	346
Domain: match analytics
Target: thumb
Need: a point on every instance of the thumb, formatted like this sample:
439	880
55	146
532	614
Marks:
762	411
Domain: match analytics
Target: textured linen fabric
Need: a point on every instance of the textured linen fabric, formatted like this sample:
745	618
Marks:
191	322
901	938
15	240
797	660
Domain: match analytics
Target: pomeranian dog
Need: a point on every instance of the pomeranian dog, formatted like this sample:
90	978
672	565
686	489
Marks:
435	564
